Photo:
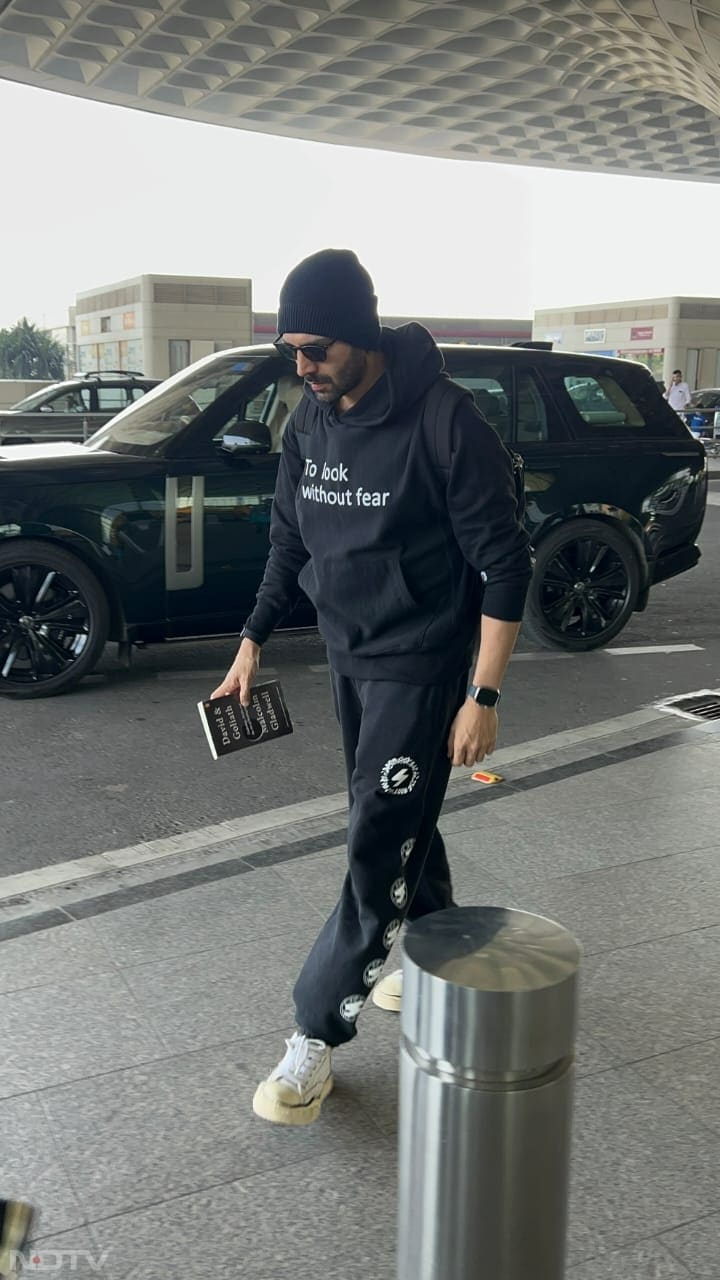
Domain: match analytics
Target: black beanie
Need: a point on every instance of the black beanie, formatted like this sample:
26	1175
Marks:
330	295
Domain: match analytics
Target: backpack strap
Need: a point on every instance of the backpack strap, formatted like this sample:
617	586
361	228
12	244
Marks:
303	418
302	415
441	403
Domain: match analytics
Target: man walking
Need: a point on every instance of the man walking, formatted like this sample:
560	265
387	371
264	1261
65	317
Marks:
401	526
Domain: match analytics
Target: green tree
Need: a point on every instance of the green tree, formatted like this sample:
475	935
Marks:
29	352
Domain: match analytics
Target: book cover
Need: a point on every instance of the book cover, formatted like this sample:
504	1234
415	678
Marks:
229	726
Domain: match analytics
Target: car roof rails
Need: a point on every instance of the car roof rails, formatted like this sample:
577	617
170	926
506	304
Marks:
535	346
111	373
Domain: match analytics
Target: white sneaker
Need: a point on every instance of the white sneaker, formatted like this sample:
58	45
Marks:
295	1091
387	993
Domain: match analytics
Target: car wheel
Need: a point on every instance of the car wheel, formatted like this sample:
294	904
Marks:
584	588
54	619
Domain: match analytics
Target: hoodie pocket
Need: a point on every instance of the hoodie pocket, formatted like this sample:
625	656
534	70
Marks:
363	603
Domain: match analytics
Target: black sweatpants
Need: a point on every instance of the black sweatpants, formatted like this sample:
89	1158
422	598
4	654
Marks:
395	743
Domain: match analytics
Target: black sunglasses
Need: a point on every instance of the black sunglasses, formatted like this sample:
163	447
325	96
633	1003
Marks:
314	351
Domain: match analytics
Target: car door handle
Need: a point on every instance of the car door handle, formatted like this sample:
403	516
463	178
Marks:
191	573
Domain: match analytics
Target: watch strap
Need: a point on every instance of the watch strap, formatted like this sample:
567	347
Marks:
483	695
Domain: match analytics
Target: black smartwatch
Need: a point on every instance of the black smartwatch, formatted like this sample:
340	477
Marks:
484	696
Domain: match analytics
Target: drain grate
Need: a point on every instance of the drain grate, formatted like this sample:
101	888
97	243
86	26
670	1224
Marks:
702	705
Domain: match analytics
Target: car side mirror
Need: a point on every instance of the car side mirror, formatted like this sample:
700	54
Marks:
46	408
247	437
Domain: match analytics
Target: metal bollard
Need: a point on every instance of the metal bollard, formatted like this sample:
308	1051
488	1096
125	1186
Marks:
486	1079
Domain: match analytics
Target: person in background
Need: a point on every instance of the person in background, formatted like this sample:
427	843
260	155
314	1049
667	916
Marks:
678	393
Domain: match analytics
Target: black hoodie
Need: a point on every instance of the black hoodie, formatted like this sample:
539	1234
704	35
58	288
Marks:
397	556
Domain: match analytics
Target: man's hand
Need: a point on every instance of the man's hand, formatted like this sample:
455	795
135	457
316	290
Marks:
473	733
242	673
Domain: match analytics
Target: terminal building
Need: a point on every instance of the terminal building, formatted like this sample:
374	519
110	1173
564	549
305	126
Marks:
157	325
663	333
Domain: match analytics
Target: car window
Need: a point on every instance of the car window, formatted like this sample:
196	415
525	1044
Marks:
151	424
257	409
111	399
532	424
286	392
136	393
492	386
272	404
76	400
492	392
608	400
706	399
29	403
602	402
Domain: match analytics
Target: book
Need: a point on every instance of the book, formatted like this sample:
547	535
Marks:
229	726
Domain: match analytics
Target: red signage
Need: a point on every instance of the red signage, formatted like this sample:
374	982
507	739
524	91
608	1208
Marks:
642	334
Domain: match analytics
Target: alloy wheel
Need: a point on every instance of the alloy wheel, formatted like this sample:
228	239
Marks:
586	586
45	624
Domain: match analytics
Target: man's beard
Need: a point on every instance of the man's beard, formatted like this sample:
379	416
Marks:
346	379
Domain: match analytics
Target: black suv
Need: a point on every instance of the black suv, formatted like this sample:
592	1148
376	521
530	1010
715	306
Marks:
73	410
157	527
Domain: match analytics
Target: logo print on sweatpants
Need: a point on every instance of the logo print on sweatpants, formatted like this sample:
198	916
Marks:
406	849
351	1006
398	893
372	972
399	775
391	933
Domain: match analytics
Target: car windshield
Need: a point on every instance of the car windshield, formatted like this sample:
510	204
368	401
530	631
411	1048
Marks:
35	400
145	427
706	399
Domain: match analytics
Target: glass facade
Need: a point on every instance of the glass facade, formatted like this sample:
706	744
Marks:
653	359
178	354
131	354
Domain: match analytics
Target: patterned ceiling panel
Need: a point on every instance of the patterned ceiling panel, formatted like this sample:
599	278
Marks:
613	85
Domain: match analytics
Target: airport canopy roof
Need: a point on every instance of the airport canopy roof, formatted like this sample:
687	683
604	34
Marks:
623	86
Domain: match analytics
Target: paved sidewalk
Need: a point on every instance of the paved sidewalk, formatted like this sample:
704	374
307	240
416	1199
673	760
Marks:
140	1007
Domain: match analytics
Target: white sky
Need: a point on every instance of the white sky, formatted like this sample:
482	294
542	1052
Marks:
92	194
